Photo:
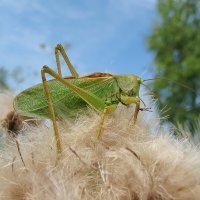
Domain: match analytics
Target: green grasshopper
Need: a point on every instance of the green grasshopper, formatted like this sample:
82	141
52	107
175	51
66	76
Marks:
66	96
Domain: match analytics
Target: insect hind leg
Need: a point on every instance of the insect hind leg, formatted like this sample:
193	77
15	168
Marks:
59	49
51	109
93	100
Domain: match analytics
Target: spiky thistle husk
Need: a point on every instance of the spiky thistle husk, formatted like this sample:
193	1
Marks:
138	162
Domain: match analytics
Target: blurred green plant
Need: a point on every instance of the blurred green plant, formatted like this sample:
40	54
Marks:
175	42
4	78
17	76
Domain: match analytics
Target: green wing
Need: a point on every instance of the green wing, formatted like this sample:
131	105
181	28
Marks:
33	102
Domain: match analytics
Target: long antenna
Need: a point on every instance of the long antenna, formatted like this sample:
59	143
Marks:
152	92
163	78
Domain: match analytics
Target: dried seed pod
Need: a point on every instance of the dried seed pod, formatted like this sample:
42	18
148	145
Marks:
13	122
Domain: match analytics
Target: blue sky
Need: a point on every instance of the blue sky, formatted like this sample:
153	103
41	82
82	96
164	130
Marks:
105	35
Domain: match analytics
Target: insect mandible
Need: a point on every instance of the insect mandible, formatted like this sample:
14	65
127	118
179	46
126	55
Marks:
66	96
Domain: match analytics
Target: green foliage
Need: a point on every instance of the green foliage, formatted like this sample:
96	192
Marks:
3	78
175	42
16	76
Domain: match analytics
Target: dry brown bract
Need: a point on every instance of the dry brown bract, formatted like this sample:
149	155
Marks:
14	122
140	162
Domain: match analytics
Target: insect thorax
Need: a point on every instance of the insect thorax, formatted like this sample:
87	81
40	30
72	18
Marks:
129	84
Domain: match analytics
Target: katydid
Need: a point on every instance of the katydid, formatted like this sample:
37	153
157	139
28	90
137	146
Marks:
66	96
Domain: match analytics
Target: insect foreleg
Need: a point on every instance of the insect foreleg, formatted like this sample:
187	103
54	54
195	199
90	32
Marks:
59	48
130	100
137	108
